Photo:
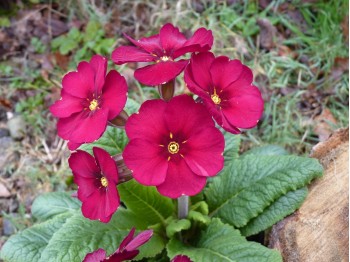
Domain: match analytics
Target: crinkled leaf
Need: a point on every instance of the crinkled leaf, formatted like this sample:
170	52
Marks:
232	144
247	186
198	217
221	242
176	226
28	244
113	141
267	150
80	236
282	207
132	106
51	204
146	202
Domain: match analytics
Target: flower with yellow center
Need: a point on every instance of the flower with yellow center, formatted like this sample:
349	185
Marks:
165	59
173	147
93	105
104	181
215	98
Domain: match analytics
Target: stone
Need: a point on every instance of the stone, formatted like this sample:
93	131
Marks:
17	127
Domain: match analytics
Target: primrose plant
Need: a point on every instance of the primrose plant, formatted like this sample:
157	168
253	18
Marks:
168	169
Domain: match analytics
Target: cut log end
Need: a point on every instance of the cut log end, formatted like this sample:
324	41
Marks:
319	230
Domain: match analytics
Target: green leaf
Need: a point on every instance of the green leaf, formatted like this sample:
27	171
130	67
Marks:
52	204
176	226
146	202
132	106
57	42
220	242
80	236
268	150
113	141
28	244
232	144
198	217
246	187
74	34
91	30
281	208
67	46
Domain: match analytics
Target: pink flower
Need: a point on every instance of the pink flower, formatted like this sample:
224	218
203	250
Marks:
89	100
174	146
225	86
162	49
126	251
97	178
181	258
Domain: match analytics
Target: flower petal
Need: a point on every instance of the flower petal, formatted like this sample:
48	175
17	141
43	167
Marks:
83	127
126	54
81	83
72	145
147	161
171	38
99	65
126	240
101	204
201	41
139	240
123	256
149	122
245	108
180	258
159	73
83	164
180	180
107	165
197	76
96	256
150	44
114	94
224	71
85	171
185	116
203	152
66	106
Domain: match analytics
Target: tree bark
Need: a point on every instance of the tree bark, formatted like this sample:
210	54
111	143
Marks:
319	230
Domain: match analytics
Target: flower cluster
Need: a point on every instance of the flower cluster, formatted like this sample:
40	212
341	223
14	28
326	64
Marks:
127	250
174	143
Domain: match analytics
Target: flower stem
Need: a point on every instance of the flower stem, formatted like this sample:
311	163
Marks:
182	207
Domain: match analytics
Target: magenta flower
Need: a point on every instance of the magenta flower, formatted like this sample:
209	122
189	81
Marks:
89	100
181	258
225	86
162	49
126	251
174	146
97	178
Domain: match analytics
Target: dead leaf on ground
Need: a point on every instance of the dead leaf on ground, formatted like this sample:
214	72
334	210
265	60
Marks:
341	65
267	33
4	192
324	124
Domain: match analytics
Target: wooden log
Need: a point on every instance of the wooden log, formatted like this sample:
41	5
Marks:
319	230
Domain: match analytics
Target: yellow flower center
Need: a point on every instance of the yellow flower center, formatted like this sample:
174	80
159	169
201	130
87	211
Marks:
165	58
104	181
93	105
173	147
215	98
